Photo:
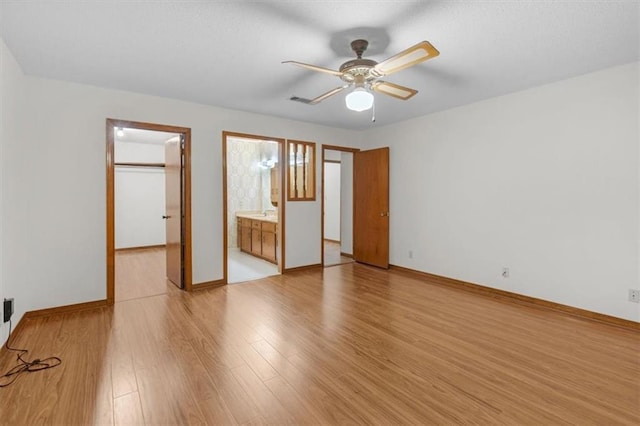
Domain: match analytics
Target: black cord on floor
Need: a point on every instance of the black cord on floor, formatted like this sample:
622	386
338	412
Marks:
25	366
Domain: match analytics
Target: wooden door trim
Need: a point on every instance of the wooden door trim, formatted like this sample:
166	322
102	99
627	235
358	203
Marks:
333	148
111	124
281	199
340	148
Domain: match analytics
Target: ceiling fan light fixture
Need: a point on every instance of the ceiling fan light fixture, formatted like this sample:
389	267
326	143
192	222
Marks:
359	100
364	75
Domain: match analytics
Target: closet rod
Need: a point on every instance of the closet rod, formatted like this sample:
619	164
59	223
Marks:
155	165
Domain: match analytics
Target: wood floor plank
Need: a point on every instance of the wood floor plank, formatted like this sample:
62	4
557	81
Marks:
238	337
141	272
319	398
348	344
215	411
270	408
297	407
127	409
234	396
258	364
103	413
123	374
165	399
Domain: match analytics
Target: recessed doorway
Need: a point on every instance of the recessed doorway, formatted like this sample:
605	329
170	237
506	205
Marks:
253	209
148	209
337	205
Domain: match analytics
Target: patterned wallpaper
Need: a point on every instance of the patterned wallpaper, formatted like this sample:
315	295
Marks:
248	184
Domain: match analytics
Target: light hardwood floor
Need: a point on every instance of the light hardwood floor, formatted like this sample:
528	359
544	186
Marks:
348	344
141	272
332	255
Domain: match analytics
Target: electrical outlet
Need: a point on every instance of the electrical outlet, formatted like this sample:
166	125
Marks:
7	309
410	254
505	272
634	295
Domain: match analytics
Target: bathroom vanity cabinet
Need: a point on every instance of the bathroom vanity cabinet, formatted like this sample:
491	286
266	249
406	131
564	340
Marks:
257	235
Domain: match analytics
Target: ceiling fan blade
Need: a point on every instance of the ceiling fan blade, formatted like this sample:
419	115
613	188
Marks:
321	97
407	58
314	67
394	90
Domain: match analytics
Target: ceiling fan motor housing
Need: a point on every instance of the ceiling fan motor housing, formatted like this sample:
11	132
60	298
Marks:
358	70
355	67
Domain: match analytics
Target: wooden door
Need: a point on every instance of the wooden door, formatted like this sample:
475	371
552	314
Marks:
371	207
173	211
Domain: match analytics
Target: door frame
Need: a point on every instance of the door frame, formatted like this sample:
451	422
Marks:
332	148
111	125
281	199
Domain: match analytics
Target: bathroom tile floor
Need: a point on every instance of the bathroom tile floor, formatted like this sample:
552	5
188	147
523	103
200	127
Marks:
244	267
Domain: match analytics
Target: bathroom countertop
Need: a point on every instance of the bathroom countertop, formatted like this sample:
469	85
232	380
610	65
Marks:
259	216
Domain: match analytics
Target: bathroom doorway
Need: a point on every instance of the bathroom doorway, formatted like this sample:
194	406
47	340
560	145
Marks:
253	210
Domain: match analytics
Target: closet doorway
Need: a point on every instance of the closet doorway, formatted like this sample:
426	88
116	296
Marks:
337	205
253	206
148	209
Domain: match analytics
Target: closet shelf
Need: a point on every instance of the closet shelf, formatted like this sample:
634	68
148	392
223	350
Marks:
154	165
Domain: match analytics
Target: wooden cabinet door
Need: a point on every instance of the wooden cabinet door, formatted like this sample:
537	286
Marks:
269	242
256	238
246	239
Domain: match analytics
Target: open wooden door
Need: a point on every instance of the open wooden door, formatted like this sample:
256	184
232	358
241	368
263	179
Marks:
371	207
173	212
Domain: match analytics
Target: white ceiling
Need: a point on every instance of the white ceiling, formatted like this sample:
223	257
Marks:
229	53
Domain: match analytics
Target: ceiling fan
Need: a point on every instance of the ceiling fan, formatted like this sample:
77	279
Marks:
365	74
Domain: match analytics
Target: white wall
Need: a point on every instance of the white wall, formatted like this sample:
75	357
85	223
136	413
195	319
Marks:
139	196
61	223
332	154
332	201
346	202
139	207
543	181
138	152
13	255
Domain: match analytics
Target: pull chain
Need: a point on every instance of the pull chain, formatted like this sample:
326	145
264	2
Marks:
373	112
